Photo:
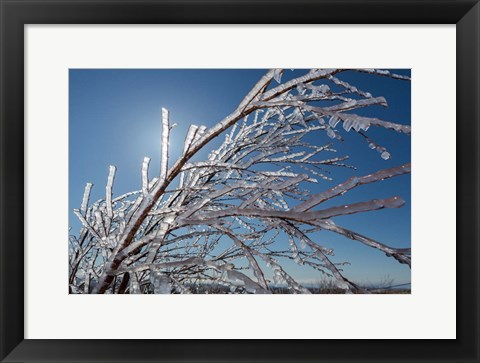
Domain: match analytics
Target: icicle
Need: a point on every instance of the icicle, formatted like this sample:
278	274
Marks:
347	125
334	120
331	134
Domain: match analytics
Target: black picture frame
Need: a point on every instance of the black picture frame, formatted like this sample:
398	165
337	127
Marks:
17	13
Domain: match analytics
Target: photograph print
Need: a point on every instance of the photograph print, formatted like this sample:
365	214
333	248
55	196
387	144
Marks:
239	181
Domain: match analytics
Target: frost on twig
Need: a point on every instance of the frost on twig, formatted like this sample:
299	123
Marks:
237	220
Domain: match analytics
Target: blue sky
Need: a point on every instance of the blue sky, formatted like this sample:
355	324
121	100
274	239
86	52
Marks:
115	119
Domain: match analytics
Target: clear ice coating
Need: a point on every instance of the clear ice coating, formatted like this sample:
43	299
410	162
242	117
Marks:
214	221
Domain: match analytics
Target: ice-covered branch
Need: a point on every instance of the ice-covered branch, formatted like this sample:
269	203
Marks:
225	221
86	197
350	184
385	73
108	189
165	144
303	217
